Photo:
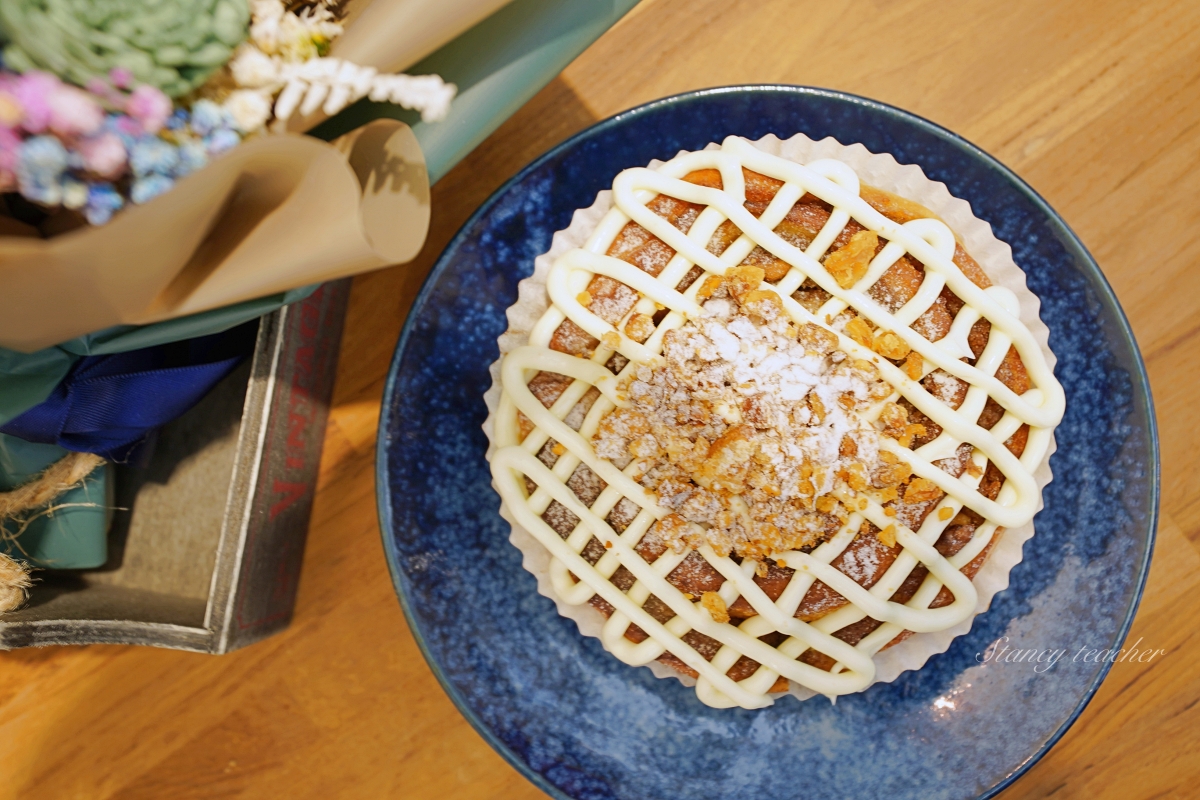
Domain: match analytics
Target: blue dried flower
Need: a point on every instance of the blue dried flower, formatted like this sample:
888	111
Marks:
192	156
222	140
124	127
177	121
102	202
41	161
149	187
207	117
152	155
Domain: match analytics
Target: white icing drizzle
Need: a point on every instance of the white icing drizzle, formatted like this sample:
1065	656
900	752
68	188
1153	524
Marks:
930	242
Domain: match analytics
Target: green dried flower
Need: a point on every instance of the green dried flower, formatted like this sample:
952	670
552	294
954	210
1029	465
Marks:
171	44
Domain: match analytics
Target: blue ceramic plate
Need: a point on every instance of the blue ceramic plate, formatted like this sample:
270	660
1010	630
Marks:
579	723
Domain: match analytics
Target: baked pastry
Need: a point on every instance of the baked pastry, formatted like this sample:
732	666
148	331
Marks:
771	422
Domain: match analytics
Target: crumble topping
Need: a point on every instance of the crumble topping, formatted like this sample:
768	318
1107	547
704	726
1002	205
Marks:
715	606
749	422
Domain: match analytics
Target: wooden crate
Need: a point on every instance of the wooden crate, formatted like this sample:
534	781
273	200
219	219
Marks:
206	544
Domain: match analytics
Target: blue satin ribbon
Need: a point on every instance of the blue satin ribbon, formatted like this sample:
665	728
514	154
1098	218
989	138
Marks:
110	404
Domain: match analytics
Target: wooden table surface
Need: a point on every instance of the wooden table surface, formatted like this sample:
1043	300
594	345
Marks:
1094	103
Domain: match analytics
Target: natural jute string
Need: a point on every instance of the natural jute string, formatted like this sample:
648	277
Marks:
14	584
58	478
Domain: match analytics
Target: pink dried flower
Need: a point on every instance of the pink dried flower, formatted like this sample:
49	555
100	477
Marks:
33	91
149	106
121	77
104	155
73	112
128	126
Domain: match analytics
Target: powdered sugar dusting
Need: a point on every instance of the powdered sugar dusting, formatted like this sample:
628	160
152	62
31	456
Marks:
861	564
945	387
748	424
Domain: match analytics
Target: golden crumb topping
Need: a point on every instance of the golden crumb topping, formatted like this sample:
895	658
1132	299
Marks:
715	606
749	422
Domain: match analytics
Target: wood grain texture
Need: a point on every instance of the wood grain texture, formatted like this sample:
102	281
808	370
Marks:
1094	103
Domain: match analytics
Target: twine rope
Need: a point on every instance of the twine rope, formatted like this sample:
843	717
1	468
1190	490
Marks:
14	584
57	479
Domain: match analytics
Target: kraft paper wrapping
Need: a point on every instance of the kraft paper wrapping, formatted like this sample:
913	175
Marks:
881	171
272	214
392	35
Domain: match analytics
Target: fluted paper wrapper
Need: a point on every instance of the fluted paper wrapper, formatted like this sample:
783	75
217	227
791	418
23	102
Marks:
270	215
881	171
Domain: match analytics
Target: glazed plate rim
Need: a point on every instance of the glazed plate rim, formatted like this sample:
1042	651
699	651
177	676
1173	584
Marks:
1139	379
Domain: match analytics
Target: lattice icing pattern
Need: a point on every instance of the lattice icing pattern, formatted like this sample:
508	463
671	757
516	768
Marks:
517	468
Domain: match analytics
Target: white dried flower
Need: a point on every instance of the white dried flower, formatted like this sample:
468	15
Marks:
253	69
267	10
428	94
331	84
295	40
75	194
320	23
250	109
281	66
265	19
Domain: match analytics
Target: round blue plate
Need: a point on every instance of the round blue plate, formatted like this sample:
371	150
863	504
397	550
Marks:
579	723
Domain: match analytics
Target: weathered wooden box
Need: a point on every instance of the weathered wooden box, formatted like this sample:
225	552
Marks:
206	544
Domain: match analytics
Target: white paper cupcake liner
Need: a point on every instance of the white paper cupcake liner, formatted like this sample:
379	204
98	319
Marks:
883	172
